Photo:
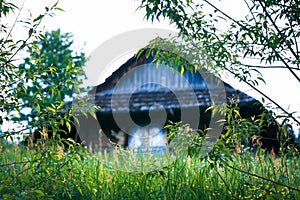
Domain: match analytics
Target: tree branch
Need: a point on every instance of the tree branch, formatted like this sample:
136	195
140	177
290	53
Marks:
14	24
268	67
277	28
273	49
283	37
267	97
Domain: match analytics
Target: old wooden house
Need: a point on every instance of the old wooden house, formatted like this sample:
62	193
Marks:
141	97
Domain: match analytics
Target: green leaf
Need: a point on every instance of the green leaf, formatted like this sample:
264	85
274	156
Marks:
158	62
38	18
71	140
181	70
237	112
69	66
210	108
261	79
6	196
51	109
59	9
30	31
38	108
68	126
39	192
93	114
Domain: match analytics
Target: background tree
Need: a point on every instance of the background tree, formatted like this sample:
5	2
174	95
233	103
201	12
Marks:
59	65
11	50
52	73
48	76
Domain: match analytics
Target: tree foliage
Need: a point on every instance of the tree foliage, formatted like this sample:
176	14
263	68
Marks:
44	80
51	70
11	49
269	32
55	63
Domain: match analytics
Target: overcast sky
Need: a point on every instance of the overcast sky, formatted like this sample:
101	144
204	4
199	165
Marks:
95	21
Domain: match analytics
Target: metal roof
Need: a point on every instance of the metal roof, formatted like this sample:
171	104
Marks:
141	85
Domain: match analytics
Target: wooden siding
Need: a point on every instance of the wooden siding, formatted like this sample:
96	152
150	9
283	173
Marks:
149	77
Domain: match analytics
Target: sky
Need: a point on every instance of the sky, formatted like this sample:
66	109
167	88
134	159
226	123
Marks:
92	22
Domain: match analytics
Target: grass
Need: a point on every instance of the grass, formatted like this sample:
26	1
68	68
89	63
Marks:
49	173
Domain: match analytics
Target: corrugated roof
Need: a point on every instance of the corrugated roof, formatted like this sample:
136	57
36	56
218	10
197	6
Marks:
122	91
141	101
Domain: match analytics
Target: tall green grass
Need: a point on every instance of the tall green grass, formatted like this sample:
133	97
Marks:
48	173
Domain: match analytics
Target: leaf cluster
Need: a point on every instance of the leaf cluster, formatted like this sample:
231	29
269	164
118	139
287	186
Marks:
267	34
